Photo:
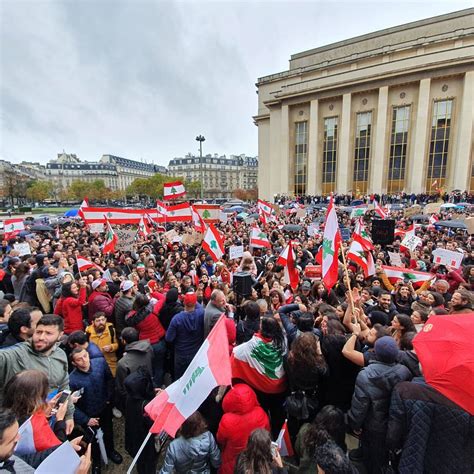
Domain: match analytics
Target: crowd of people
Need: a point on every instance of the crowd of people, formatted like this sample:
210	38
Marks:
332	362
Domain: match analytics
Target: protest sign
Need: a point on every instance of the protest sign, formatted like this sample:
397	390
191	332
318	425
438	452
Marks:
469	225
126	238
63	460
383	231
447	257
170	235
312	271
236	251
411	242
412	211
395	259
301	213
187	239
345	233
23	249
96	228
358	212
432	208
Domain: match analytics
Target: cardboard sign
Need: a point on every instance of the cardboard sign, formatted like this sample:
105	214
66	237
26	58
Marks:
170	235
96	228
236	251
345	234
432	208
23	248
301	213
447	257
412	211
469	221
126	238
313	271
383	231
395	259
411	242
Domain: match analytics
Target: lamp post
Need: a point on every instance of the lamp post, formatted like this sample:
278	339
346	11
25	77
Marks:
201	139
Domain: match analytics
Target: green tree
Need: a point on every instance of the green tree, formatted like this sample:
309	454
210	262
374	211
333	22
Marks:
151	187
39	190
193	189
78	190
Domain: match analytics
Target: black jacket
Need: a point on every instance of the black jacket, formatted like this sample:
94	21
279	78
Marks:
436	434
371	400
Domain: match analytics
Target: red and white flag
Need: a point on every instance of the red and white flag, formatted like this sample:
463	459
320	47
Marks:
85	203
12	227
209	368
83	264
258	239
213	243
198	222
330	247
363	257
416	278
287	260
110	238
173	190
143	228
161	208
433	219
362	236
284	442
264	206
379	210
179	212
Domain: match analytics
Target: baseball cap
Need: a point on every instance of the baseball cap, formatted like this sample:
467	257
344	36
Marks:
126	285
190	299
306	285
97	283
386	349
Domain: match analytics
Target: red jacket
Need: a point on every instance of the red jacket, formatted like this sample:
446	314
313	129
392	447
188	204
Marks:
70	309
231	333
101	301
242	415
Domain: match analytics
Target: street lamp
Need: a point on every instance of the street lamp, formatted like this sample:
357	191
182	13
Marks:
201	139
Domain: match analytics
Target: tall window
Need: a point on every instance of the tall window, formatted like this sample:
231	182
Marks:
398	149
329	155
301	155
362	151
439	144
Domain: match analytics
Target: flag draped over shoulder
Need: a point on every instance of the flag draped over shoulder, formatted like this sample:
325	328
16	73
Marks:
260	364
330	247
209	368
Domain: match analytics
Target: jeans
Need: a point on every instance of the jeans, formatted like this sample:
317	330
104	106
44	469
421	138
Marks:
159	353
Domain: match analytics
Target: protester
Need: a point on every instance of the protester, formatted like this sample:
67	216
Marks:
21	325
103	335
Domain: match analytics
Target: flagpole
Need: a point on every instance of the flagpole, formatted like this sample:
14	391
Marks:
348	282
142	447
80	274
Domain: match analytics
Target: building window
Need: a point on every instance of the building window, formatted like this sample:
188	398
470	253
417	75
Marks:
301	155
329	155
398	149
362	151
439	144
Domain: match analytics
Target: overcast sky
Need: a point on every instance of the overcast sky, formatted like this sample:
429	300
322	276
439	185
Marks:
140	79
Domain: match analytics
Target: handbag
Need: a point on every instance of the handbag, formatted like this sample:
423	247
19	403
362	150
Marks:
300	406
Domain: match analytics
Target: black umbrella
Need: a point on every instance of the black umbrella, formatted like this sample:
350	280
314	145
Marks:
292	228
420	217
454	224
41	228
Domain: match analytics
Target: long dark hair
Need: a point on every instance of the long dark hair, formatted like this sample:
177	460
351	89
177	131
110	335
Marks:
304	353
406	323
66	290
270	329
194	426
257	457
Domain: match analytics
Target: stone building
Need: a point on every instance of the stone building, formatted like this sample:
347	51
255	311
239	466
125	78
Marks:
388	111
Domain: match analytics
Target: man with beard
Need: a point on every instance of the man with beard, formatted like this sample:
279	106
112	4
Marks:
384	305
41	352
22	325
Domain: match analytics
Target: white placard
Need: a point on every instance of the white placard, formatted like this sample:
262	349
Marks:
411	242
63	460
23	248
395	259
223	217
447	257
236	251
96	228
126	238
177	239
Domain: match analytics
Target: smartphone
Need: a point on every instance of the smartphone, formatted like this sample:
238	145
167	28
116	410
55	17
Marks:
88	437
78	393
274	448
63	397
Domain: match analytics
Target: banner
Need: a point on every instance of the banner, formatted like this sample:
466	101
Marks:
447	257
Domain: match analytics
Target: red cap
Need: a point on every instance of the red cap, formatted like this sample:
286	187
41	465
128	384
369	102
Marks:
190	299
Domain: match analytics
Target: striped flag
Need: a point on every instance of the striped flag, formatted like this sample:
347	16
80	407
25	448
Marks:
379	210
12	227
84	264
362	236
213	243
143	228
358	254
330	247
416	278
173	190
284	442
258	239
198	223
110	238
85	203
209	368
287	260
264	206
433	219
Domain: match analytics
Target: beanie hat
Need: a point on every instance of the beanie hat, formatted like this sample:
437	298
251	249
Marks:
386	350
190	299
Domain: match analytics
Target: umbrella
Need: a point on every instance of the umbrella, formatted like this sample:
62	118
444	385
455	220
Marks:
292	227
41	228
420	217
254	215
71	213
357	202
234	209
242	216
444	349
454	224
447	205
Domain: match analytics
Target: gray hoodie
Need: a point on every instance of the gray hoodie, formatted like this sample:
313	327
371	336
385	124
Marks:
192	456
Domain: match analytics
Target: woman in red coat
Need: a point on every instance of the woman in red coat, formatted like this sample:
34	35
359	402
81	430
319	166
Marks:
69	306
242	415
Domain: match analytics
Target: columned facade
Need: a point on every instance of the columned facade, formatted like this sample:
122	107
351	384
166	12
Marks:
386	112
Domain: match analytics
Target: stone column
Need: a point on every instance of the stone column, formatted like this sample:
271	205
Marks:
378	165
273	171
416	175
284	164
313	177
344	173
460	168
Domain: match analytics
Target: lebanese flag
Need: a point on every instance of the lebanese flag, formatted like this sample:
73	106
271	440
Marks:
110	238
198	223
213	243
35	435
358	254
210	213
330	247
264	206
84	264
117	215
152	225
284	442
179	212
209	368
258	239
259	364
12	227
416	278
362	236
173	190
433	219
143	228
378	210
287	260
85	203
161	208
